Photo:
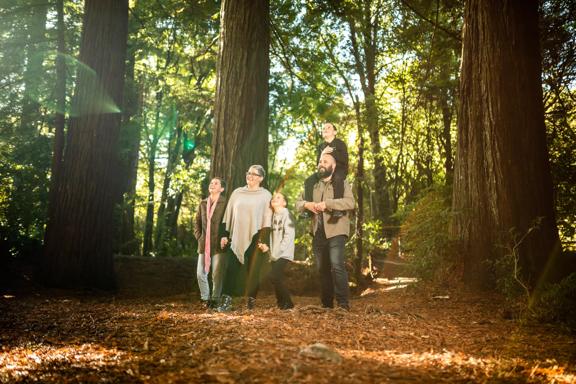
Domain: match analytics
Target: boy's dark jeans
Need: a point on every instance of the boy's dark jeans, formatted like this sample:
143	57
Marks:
276	277
330	261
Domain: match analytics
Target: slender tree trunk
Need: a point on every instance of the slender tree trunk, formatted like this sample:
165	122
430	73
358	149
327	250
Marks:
398	168
79	239
428	170
130	142
149	222
152	149
240	135
446	108
33	74
59	119
166	201
502	177
359	229
364	53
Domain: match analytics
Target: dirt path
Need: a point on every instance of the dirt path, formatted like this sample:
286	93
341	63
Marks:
390	335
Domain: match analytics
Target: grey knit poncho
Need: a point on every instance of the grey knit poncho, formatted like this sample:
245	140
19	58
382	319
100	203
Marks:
246	213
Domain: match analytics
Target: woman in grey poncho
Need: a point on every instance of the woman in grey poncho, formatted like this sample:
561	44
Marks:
247	221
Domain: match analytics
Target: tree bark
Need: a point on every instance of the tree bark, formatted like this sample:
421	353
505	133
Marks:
240	136
79	238
33	75
446	108
59	118
359	227
364	50
166	205
130	140
502	175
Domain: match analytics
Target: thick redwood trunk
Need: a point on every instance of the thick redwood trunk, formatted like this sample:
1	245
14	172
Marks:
502	176
78	249
240	135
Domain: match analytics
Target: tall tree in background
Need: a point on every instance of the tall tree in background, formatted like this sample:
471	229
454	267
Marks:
79	238
502	187
36	28
364	20
240	135
59	117
130	141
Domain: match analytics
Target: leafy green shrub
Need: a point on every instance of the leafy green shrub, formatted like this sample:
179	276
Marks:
424	235
557	303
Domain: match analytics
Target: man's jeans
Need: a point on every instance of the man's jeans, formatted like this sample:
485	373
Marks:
330	258
218	268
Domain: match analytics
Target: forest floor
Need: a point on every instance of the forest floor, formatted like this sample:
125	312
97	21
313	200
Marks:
392	334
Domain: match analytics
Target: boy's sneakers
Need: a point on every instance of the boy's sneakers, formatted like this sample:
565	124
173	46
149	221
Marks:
251	303
225	304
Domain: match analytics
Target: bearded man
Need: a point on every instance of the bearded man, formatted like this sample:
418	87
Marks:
330	234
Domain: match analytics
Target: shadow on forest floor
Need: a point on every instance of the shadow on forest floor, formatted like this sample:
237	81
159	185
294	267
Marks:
398	335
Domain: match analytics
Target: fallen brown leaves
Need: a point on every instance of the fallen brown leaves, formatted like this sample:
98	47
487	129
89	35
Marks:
402	335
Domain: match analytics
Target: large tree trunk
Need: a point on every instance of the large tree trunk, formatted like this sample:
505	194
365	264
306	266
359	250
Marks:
240	135
502	176
79	239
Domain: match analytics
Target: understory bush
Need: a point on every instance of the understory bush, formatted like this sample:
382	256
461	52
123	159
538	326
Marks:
557	303
424	235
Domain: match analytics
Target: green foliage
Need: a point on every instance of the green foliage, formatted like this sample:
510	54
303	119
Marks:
506	269
558	32
424	235
506	272
557	303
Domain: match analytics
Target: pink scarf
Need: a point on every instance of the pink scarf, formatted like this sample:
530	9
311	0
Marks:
209	211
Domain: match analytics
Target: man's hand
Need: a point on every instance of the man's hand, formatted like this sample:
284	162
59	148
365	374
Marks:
223	242
311	206
320	207
263	247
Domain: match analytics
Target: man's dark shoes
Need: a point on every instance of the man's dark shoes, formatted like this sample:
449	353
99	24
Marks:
345	306
251	303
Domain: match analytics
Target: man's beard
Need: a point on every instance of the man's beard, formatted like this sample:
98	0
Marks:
324	172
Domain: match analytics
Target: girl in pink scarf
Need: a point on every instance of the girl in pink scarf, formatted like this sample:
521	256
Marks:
207	229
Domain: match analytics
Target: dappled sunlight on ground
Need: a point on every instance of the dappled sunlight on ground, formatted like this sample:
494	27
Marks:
407	334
